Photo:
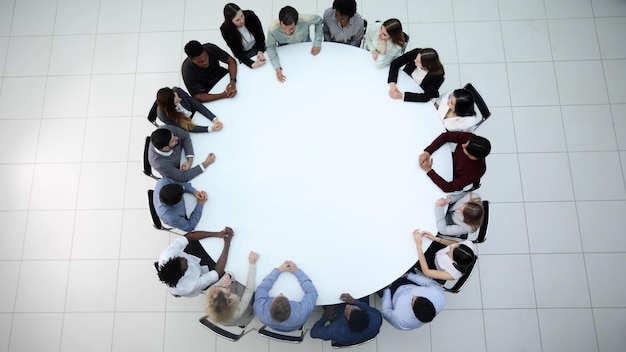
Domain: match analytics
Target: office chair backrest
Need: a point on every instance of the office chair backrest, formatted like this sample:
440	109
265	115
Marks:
482	230
480	103
337	345
406	42
266	331
147	168
463	279
152	114
221	331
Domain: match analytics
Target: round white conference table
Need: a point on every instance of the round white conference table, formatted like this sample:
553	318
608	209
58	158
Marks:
322	170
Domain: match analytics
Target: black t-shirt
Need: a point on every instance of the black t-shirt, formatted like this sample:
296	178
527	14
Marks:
201	80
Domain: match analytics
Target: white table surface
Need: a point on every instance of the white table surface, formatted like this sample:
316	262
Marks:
321	170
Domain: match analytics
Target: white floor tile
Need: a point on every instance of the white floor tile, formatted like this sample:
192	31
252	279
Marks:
119	16
139	239
101	186
6	17
9	273
470	297
14	222
77	16
37	278
371	10
395	340
16	194
611	44
188	304
609	323
138	331
4	47
615	73
503	289
97	234
574	39
92	286
490	79
67	96
603	8
135	182
111	88
139	276
589	128
200	15
124	45
553	227
546	177
22	136
499	130
140	129
48	235
468	326
72	55
562	273
479	42
440	36
579	335
597	176
6	320
599	277
22	97
507	230
55	186
515	329
515	10
539	129
184	332
160	52
505	184
422	11
28	56
60	140
101	131
47	325
162	15
598	234
572	75
568	8
87	332
526	41
33	17
525	91
482	10
146	87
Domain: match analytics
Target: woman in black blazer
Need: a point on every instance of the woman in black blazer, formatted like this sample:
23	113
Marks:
244	35
424	67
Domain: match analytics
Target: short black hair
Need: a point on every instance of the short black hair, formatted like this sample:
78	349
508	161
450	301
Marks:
288	15
170	272
193	49
478	147
358	320
160	138
171	194
424	310
345	7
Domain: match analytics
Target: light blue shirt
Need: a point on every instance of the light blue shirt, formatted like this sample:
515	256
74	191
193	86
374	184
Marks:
176	215
277	37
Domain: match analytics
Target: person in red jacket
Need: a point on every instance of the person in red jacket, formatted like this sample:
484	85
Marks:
468	160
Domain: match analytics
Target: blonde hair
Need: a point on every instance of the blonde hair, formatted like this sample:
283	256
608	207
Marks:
165	102
219	306
473	212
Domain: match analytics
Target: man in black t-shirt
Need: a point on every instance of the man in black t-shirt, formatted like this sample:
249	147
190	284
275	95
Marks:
201	71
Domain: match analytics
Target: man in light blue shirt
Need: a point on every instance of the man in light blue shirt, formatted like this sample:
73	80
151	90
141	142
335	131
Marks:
170	205
291	28
279	313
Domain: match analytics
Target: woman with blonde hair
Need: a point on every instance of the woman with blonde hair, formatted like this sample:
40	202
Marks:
463	216
230	303
385	41
176	108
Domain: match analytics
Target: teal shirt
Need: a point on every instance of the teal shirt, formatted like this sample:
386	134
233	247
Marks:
276	36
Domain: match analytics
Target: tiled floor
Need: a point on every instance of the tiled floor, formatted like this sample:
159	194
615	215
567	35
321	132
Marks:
76	244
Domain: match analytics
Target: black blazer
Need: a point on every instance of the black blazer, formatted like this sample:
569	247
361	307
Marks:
233	38
430	84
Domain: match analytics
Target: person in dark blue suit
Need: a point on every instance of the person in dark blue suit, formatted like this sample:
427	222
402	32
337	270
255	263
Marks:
350	323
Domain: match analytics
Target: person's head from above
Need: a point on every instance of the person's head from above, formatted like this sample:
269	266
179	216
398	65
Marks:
233	16
423	309
477	147
171	271
171	194
462	256
344	10
392	29
461	101
288	17
357	318
221	303
163	139
167	99
280	310
196	53
473	212
428	59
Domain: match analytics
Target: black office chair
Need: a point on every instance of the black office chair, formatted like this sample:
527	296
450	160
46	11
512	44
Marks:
156	221
147	168
152	115
337	345
480	103
223	331
293	337
458	285
406	42
482	230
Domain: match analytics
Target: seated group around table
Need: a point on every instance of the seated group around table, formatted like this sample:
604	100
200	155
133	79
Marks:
185	267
